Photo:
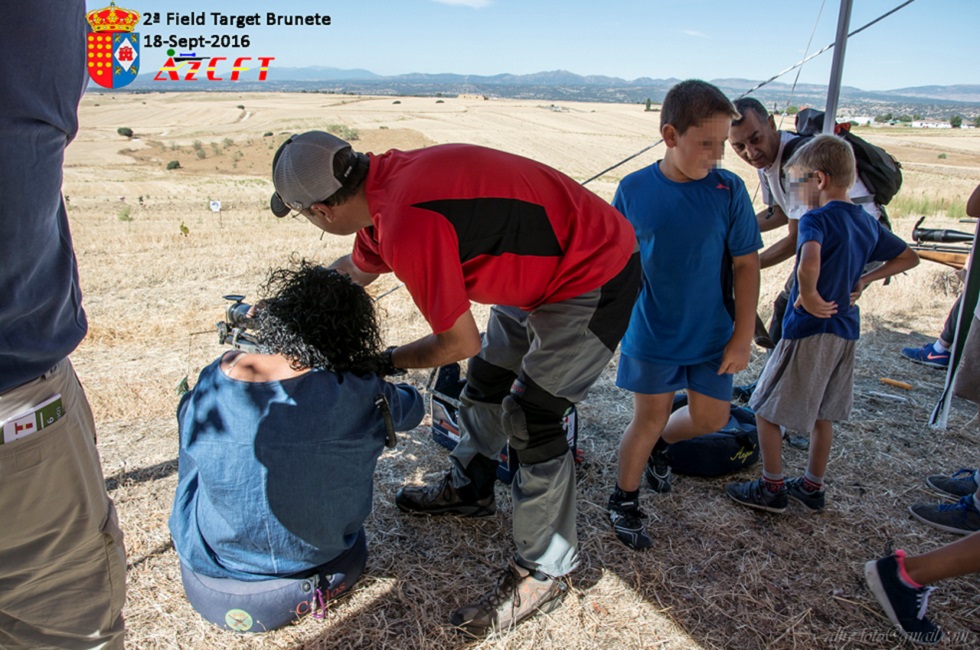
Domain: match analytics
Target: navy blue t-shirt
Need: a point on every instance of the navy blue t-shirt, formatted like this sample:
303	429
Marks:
849	238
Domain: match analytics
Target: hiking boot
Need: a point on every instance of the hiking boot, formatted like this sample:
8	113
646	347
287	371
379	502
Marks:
627	520
755	495
814	501
961	517
442	499
519	594
905	606
658	472
961	483
927	356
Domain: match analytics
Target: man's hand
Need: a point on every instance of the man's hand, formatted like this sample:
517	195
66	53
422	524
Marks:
815	305
736	357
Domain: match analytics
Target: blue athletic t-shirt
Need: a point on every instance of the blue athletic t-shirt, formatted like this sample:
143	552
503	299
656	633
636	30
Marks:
849	238
684	231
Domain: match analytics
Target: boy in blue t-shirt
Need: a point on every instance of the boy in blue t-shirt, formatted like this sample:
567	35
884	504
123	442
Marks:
807	382
699	243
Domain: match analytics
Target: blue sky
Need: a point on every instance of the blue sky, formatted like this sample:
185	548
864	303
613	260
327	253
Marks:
927	42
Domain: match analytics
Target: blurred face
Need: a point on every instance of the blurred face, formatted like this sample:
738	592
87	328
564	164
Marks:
805	187
755	140
695	153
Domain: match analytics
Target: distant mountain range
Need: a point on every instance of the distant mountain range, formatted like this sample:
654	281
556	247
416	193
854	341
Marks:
936	101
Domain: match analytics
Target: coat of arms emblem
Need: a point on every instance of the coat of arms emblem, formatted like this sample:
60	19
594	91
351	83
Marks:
113	47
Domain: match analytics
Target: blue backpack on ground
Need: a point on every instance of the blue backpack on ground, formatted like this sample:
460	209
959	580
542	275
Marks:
732	448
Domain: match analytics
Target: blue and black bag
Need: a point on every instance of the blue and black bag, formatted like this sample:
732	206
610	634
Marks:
732	448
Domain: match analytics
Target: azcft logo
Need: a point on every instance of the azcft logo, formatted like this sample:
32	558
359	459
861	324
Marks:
189	67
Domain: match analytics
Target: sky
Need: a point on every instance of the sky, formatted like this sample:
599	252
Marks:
928	42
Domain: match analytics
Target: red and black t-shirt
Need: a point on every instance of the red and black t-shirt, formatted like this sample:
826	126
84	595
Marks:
459	223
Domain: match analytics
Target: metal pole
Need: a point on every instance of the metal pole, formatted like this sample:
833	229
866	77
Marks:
837	67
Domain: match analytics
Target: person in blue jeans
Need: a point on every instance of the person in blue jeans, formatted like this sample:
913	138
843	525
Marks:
277	455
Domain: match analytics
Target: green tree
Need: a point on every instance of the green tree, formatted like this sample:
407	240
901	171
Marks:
976	121
125	131
792	110
956	121
648	105
887	117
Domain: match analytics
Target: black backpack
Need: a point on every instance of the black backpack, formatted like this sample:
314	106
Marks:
734	447
880	172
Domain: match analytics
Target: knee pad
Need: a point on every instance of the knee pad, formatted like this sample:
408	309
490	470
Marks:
486	382
532	420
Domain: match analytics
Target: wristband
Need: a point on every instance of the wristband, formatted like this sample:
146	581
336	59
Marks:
388	365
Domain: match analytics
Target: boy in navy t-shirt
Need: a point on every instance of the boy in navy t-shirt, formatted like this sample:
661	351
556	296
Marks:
807	382
699	244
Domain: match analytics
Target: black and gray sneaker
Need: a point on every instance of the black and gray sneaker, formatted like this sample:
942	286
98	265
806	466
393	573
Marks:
814	501
658	472
755	495
442	499
960	484
519	594
905	606
627	521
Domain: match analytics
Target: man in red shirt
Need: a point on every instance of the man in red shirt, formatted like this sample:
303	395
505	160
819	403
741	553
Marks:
460	223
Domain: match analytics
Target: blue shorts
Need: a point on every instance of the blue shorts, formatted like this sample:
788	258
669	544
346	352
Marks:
656	378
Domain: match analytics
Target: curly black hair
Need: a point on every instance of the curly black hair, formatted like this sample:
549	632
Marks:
318	318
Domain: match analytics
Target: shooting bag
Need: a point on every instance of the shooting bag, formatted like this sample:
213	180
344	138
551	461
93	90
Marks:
445	386
880	172
734	447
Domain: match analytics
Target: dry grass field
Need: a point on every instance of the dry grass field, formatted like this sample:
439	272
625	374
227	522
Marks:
155	261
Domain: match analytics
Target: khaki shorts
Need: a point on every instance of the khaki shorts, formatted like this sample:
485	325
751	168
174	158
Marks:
966	383
62	563
806	380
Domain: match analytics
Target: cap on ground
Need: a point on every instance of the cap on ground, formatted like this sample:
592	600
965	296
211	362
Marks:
302	170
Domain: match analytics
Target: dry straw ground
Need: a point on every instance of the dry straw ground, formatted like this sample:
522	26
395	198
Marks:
154	263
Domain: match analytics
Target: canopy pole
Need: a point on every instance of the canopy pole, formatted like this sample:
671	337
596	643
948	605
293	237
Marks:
837	67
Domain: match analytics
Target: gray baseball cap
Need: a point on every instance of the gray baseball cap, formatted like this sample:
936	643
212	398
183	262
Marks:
302	171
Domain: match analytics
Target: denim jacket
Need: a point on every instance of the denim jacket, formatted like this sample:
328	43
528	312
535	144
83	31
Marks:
276	478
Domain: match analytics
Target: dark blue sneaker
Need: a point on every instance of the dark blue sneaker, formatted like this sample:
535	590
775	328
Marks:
755	495
814	501
927	356
960	484
961	517
904	606
627	520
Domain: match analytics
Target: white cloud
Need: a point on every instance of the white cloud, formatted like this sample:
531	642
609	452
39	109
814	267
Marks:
476	4
691	32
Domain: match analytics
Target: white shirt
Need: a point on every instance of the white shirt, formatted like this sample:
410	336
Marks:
773	191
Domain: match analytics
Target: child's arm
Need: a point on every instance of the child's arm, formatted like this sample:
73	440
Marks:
903	262
746	285
807	274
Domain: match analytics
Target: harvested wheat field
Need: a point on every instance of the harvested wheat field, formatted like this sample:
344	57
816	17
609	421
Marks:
155	262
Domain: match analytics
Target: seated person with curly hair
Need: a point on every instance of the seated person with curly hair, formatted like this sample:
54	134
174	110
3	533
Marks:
277	456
